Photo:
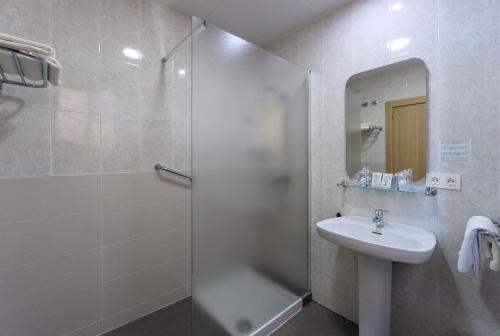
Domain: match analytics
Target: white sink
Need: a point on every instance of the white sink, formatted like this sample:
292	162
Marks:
393	242
397	242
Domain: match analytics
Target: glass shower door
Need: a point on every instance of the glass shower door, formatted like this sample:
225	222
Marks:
250	187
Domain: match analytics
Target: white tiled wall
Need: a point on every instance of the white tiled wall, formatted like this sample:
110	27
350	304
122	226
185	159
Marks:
459	42
111	113
90	237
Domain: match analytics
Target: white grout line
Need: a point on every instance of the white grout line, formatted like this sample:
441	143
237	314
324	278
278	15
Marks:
186	257
9	268
164	233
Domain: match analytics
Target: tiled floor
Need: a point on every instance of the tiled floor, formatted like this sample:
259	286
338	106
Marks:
175	320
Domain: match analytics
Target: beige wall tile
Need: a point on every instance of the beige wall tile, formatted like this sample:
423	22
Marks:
75	24
156	91
119	92
35	28
57	317
50	280
127	292
39	197
157	33
120	190
28	241
120	138
181	24
80	80
137	311
126	258
181	84
123	224
152	8
24	140
120	29
181	140
156	144
370	34
75	143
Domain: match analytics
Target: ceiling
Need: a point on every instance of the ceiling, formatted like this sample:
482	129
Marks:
259	21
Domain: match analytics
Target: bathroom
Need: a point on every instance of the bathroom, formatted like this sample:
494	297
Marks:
214	167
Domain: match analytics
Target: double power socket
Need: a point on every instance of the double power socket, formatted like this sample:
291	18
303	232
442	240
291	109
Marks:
443	181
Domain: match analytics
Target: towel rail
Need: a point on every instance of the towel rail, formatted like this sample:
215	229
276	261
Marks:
494	235
4	78
19	69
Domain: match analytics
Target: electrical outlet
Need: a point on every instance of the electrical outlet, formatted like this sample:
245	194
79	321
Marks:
452	181
433	180
443	181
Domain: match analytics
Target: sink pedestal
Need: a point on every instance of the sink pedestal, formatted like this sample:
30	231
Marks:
374	276
376	252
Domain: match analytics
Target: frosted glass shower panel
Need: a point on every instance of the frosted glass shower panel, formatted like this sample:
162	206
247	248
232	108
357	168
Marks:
250	168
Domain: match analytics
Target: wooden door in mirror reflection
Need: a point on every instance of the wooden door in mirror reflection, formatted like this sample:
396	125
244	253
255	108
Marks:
406	134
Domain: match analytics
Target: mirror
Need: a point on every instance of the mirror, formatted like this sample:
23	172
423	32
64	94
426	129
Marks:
386	119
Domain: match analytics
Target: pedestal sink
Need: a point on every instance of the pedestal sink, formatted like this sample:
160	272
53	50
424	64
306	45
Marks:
396	243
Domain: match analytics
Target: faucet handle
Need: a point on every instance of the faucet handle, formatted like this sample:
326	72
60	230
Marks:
380	212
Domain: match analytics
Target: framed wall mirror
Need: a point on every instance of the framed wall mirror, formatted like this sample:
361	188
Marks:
386	120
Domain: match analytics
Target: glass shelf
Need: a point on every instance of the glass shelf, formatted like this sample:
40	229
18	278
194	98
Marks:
426	191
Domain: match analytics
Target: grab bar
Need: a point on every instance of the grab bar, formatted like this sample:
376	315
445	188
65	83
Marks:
159	167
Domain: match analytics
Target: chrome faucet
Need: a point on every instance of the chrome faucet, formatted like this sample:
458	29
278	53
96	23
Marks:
379	220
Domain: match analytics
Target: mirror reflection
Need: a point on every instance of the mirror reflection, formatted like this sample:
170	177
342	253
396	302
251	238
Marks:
386	122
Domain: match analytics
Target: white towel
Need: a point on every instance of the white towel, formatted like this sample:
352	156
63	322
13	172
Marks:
31	68
491	250
469	256
27	45
485	244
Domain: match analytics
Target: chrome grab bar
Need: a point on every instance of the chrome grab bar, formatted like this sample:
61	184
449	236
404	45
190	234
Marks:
159	167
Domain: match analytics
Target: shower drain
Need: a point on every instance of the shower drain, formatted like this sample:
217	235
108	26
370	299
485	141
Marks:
244	325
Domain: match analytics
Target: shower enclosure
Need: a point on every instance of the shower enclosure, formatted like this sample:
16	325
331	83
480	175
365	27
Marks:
250	186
